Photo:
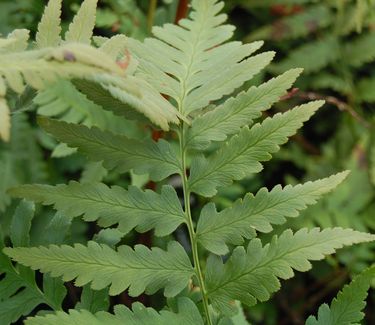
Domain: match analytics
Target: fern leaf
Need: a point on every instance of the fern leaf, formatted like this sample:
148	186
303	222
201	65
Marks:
115	46
20	39
100	96
63	101
49	27
21	224
22	150
312	57
134	208
188	314
139	94
259	212
294	26
366	90
253	274
156	158
82	26
39	68
346	308
140	270
19	305
194	68
237	112
242	154
361	50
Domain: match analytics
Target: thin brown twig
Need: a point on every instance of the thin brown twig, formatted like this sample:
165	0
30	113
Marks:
182	10
341	105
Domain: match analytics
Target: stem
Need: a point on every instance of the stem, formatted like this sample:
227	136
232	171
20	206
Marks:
192	234
151	14
182	10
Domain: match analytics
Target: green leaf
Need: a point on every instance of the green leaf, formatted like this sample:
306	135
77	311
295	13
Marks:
312	56
252	274
239	111
138	93
257	213
80	30
54	290
365	90
188	314
49	27
21	224
296	25
361	50
93	300
346	308
134	208
194	67
156	158
18	305
140	270
241	155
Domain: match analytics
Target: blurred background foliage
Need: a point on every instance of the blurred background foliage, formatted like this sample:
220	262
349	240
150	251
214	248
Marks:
333	40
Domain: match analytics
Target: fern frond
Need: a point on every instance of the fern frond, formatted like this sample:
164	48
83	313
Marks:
312	57
40	67
237	112
216	229
63	101
253	274
188	314
361	50
194	68
139	94
22	150
17	306
365	90
115	46
19	293
140	270
241	155
18	41
82	26
116	151
134	208
49	27
346	308
295	26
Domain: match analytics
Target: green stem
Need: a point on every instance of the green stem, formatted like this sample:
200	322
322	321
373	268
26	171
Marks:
151	14
192	234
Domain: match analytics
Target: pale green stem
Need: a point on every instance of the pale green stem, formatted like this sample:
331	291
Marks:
192	234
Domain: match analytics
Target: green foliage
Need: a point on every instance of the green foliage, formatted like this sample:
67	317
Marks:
240	156
157	159
258	212
214	141
141	269
129	209
252	274
188	314
19	292
347	307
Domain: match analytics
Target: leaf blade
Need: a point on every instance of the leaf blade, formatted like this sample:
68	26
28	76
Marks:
143	210
242	154
217	229
252	274
140	270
